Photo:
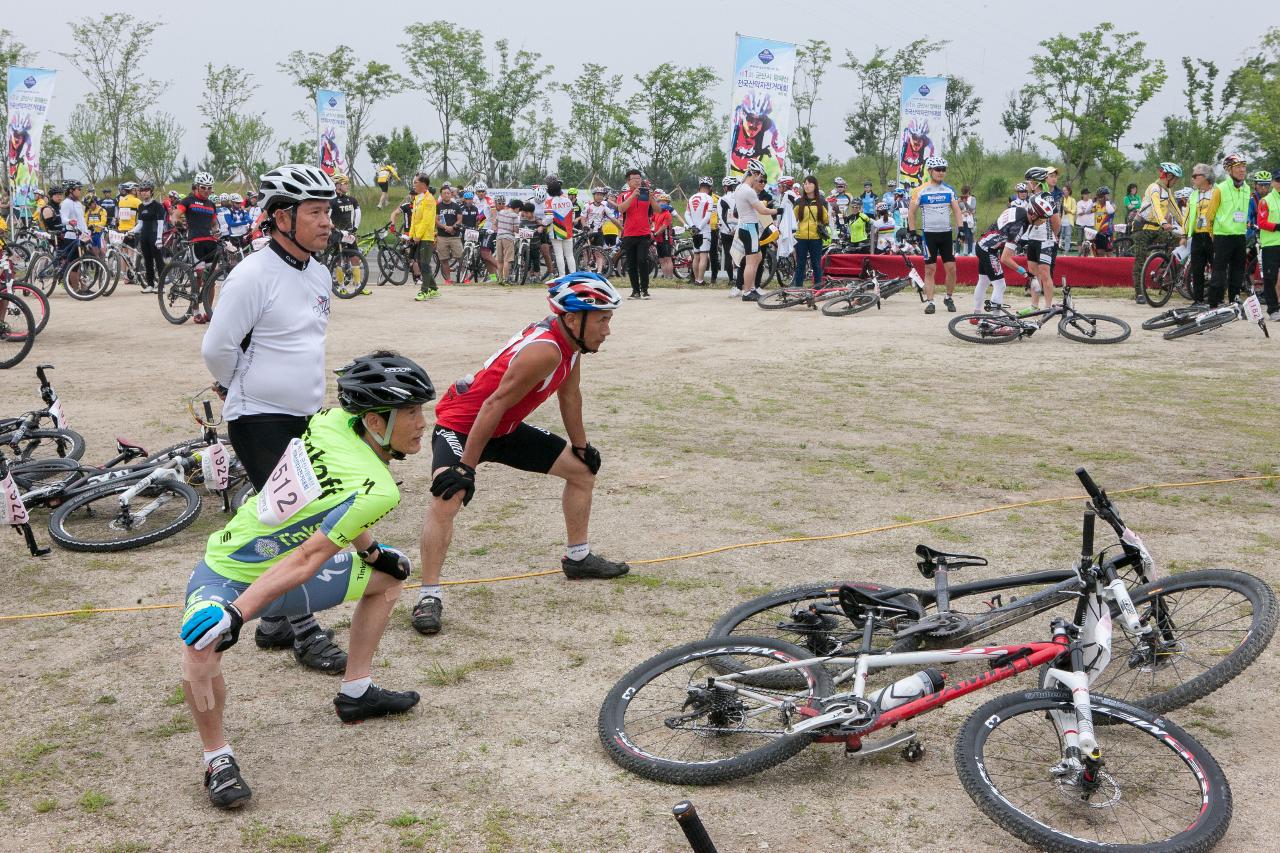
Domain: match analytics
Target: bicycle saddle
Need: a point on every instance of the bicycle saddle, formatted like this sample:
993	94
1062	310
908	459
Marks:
124	445
856	600
931	560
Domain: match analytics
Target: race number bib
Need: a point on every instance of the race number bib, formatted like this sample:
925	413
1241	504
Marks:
471	235
15	511
1240	216
291	486
1253	308
216	465
59	416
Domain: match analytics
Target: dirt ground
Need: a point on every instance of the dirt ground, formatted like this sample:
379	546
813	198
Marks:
719	423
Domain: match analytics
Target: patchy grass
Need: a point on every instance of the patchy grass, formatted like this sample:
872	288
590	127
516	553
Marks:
94	801
439	675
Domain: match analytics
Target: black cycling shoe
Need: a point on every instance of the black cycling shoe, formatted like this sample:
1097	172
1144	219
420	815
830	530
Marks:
227	789
427	614
321	653
281	637
950	303
593	566
375	702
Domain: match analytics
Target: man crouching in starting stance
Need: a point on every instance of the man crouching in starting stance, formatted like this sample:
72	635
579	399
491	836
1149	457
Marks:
288	557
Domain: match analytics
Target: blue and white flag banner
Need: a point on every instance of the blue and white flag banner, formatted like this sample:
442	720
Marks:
921	125
29	92
760	105
331	130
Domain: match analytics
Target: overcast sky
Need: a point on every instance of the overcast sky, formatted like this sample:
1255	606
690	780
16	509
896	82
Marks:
990	45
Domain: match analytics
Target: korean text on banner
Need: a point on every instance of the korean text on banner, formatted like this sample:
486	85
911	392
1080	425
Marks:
331	128
760	109
29	92
923	115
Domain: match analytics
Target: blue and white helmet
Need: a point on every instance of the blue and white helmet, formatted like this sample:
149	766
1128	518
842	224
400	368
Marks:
582	291
936	163
757	103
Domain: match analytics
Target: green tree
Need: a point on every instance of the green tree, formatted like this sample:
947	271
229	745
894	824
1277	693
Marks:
961	107
227	91
493	105
1197	136
12	52
377	148
55	155
248	138
88	138
1093	83
675	115
1258	97
217	160
404	152
1017	117
445	65
813	59
600	127
296	151
364	86
109	52
872	126
154	143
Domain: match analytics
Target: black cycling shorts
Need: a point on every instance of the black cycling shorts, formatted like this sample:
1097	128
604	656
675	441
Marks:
1102	242
990	266
526	448
1034	251
664	249
938	247
610	239
382	185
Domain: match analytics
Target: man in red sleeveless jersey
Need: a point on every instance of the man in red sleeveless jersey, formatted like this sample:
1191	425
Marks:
481	419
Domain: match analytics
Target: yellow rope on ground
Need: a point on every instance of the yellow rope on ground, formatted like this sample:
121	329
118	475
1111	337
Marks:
782	541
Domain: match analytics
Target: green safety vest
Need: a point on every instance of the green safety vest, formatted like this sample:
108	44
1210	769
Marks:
1233	201
858	228
1271	238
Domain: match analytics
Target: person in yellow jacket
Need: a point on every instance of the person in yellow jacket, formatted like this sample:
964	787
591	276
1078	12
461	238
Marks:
1269	242
127	208
1198	226
385	174
95	219
1153	223
422	230
1228	218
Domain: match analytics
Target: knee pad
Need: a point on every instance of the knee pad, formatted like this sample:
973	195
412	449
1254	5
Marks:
200	675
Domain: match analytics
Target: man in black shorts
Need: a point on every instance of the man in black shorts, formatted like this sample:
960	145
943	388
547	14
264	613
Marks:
481	418
937	206
199	212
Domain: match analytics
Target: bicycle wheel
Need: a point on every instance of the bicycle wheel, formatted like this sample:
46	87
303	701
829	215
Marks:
1123	247
785	298
682	263
17	330
786	268
1158	789
1197	327
93	277
1165	319
389	267
176	294
48	444
665	721
985	328
343	283
1157	278
42	272
1209	626
96	520
116	266
1093	328
36	301
851	304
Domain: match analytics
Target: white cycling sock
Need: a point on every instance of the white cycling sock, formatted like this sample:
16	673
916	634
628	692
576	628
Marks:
225	749
434	590
579	552
355	689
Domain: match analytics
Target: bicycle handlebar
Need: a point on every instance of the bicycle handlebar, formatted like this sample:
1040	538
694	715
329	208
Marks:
687	816
1086	539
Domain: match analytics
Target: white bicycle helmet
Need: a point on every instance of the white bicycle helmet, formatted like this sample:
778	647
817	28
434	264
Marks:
1041	205
1021	188
839	182
936	163
235	198
482	188
1036	173
754	165
202	179
1183	194
293	184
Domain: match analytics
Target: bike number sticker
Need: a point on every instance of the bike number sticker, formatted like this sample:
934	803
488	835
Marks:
471	235
15	511
291	486
1253	308
59	416
915	276
216	466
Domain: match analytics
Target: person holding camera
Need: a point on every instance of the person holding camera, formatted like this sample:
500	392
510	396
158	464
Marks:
637	223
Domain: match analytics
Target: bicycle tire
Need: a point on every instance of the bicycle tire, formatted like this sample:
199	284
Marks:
1156	279
49	444
42	272
990	328
785	297
389	266
36	301
627	749
1165	319
1123	247
91	270
1068	329
76	542
854	303
978	764
344	289
114	263
1199	326
177	301
682	263
17	327
1246	643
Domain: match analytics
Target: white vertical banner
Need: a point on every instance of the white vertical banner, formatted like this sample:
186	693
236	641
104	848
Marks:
331	130
923	115
760	105
29	92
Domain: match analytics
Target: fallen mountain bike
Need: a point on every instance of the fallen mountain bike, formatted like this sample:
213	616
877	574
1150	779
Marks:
999	325
1061	767
1249	309
1199	629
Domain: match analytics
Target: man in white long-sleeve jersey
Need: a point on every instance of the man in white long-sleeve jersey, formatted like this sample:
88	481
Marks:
265	349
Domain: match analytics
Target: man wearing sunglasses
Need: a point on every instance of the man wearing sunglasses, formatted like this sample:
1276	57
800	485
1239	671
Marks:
937	206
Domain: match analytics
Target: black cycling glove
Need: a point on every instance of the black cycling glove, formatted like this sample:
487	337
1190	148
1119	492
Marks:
450	481
389	561
589	456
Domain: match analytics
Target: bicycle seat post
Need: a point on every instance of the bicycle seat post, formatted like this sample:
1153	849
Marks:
868	629
941	592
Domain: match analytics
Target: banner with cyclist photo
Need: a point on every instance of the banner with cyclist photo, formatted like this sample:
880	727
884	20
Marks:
331	128
760	109
29	93
923	115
